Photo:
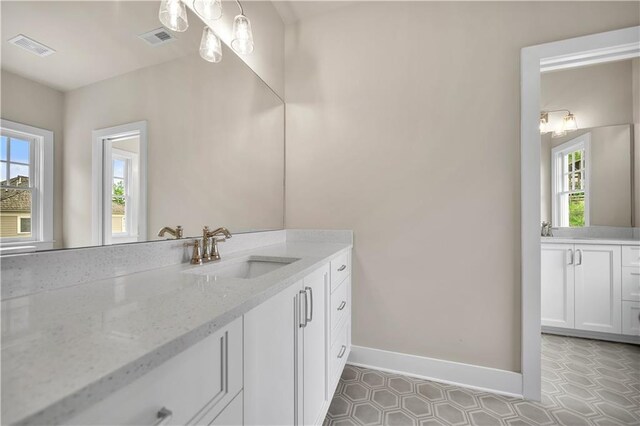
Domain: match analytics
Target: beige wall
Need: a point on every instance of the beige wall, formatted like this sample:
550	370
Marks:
403	123
28	102
610	174
216	153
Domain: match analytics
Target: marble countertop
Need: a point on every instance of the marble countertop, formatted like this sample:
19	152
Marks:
65	349
582	240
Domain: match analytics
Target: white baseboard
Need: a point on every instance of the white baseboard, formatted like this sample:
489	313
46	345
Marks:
470	376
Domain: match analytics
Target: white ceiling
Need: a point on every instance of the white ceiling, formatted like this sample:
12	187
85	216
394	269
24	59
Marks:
94	40
294	10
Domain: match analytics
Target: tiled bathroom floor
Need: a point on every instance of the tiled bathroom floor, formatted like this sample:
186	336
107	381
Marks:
584	382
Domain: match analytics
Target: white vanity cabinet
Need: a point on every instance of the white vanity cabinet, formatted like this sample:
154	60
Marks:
279	364
598	285
291	369
593	289
194	387
557	285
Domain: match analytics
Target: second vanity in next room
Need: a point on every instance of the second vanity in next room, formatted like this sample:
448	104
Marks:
258	337
591	288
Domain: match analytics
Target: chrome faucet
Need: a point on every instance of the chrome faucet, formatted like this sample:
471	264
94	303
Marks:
175	233
210	240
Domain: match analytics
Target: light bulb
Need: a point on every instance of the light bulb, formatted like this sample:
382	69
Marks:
569	123
210	48
242	41
208	9
173	15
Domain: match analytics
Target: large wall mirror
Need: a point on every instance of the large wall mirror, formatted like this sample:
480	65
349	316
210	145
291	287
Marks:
114	127
589	176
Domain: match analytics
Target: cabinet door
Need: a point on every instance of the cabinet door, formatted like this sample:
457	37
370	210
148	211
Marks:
598	288
271	333
315	344
557	285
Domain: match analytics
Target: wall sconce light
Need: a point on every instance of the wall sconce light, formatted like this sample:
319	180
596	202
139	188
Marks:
242	41
208	9
173	15
568	124
210	47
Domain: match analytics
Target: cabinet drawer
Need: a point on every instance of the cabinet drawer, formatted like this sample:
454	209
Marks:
194	384
340	269
631	283
339	352
631	318
630	255
340	305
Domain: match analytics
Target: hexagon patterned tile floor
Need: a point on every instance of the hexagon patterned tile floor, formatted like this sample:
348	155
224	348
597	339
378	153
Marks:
584	382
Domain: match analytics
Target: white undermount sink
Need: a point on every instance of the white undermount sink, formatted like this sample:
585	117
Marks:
243	268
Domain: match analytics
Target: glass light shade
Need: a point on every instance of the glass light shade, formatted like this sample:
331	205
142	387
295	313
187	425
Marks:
544	123
173	15
208	9
242	41
569	123
210	48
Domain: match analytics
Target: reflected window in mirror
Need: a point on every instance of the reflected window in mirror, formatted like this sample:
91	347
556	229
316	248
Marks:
570	205
26	209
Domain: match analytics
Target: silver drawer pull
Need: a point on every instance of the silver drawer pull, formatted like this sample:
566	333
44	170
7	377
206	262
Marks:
163	416
342	268
342	305
342	351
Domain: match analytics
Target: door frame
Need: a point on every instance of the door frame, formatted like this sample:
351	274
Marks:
138	128
564	54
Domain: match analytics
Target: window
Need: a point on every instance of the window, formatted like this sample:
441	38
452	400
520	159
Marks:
122	192
26	185
570	182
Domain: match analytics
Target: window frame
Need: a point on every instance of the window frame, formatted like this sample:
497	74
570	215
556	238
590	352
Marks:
41	177
582	142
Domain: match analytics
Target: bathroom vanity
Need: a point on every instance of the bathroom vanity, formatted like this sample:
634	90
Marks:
591	288
259	337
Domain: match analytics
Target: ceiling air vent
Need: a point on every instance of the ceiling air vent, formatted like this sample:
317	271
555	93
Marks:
158	36
31	45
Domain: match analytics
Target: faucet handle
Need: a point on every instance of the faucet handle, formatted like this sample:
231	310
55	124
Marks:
196	259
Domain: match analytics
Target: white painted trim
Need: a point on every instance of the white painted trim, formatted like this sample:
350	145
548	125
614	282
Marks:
97	173
43	157
438	370
592	49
